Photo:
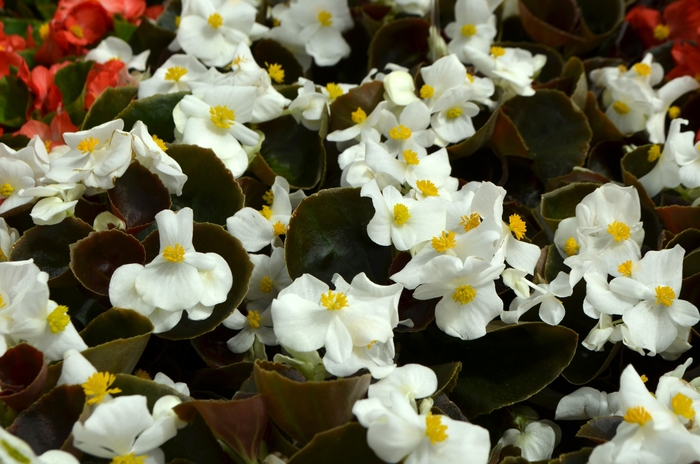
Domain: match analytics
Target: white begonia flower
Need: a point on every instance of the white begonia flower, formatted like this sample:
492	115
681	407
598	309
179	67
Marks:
150	151
377	357
16	279
469	299
516	252
412	381
603	332
409	130
215	119
536	442
452	118
173	76
115	48
257	229
413	7
288	32
666	95
587	403
308	315
364	128
124	428
75	370
411	167
256	325
547	296
15	450
666	171
400	433
269	277
402	221
58	203
106	221
97	156
8	236
15	176
321	24
474	26
654	322
628	105
211	29
180	387
511	68
681	398
687	154
309	106
399	88
44	324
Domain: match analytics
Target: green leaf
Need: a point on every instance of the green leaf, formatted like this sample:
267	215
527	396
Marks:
94	259
561	203
116	340
367	96
123	29
207	179
224	380
48	423
48	246
551	22
70	80
328	233
156	112
600	429
269	51
108	105
138	195
350	439
148	36
447	375
679	218
554	130
14	101
210	238
317	406
509	364
602	127
689	239
22	376
599	19
402	41
293	152
241	424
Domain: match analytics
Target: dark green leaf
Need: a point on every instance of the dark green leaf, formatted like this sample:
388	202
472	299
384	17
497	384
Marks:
328	233
550	22
402	41
148	36
207	179
108	105
561	203
447	375
22	376
269	51
14	100
600	429
71	80
156	112
367	96
350	439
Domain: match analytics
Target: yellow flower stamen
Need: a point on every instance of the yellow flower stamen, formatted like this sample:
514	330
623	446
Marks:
175	73
665	295
279	229
266	212
411	157
276	22
637	415
359	116
325	18
401	214
44	31
454	113
142	374
619	231
266	284
129	459
434	429
464	294
253	319
269	197
683	406
674	112
77	31
517	226
371	344
238	60
654	153
6	190
426	91
222	117
177	21
88	145
97	386
642	69
468	30
334	90
58	319
276	72
14	453
174	253
333	301
470	222
215	20
2	301
661	32
622	68
400	132
470	78
444	242
644	378
427	188
159	142
498	51
571	246
621	107
625	269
